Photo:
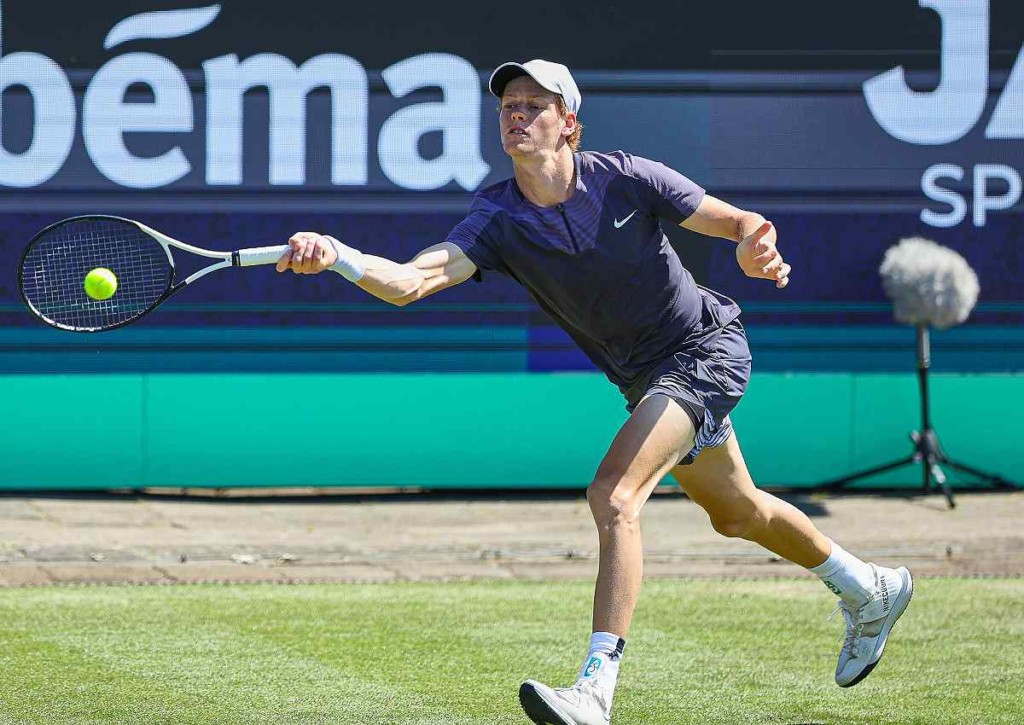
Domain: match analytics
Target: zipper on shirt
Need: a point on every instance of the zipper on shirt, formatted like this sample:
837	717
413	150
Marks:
568	228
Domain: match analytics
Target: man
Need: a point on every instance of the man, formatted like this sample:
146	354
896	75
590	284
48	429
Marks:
581	232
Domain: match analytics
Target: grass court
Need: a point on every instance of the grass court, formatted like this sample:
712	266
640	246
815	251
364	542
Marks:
701	651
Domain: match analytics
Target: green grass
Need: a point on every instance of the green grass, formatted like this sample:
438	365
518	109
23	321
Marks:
454	654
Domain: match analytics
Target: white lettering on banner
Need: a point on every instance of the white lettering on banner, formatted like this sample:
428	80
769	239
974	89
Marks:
53	105
457	118
161	24
1008	118
982	201
952	110
227	79
107	116
932	189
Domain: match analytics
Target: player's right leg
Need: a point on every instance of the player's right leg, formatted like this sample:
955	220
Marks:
654	438
871	597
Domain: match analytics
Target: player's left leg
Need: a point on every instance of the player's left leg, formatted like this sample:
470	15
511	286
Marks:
872	598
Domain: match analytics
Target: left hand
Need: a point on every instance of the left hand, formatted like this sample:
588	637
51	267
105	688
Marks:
758	257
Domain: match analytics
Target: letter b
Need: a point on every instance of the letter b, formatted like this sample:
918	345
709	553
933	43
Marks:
53	105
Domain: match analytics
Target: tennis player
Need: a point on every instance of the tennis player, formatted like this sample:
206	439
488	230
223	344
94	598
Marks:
581	231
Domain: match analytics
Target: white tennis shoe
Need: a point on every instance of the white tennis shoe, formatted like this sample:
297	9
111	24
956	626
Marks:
868	626
585	703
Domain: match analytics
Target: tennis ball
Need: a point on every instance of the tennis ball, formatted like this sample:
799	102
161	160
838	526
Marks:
100	284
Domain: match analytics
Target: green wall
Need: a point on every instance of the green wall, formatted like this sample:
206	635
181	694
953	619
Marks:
460	430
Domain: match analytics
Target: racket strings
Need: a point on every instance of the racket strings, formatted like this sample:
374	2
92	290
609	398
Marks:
54	269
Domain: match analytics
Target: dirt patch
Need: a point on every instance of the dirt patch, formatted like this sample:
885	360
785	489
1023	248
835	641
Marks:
316	536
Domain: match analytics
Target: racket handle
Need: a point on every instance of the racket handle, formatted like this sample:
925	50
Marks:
260	255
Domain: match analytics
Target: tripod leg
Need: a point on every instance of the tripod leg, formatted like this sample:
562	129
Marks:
940	478
840	482
990	478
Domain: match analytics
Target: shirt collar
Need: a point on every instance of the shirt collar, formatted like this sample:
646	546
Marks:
580	185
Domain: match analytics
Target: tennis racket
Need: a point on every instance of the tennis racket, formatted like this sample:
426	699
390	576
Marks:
54	266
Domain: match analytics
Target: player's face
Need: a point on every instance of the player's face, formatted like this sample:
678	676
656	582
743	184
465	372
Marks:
529	118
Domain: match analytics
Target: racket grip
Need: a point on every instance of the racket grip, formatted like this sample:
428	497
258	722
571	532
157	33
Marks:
260	255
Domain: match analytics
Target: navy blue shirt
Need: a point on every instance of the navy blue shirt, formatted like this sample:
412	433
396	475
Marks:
600	264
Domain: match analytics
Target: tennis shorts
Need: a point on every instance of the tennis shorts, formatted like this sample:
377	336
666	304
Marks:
707	381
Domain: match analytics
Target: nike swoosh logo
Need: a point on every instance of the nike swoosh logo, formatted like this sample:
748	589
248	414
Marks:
619	224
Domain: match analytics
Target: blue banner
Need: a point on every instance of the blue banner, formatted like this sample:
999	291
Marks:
244	144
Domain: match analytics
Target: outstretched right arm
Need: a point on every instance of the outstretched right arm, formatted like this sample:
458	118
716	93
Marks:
432	270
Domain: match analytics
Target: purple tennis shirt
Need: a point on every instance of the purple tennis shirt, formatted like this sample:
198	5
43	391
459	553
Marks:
600	264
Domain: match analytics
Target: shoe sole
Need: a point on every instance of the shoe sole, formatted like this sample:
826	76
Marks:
898	608
538	709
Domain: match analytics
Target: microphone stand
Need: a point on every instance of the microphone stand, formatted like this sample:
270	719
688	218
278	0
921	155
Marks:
927	449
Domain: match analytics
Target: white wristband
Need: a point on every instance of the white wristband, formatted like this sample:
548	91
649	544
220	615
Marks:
350	261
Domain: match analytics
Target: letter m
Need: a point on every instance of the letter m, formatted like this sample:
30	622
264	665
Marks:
287	86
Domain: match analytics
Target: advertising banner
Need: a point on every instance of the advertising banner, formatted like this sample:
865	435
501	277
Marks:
236	124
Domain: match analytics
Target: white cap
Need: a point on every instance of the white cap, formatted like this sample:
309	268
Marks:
554	77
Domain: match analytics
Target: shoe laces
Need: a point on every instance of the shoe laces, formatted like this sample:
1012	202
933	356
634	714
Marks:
854	627
590	688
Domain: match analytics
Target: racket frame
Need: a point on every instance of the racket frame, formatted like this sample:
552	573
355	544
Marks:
237	258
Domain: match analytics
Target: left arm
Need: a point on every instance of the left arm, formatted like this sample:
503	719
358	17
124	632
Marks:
756	252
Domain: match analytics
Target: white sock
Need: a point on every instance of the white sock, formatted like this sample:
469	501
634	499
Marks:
847	576
602	661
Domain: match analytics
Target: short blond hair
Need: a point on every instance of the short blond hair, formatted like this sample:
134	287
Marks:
574	138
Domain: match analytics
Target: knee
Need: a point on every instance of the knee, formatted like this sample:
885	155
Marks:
739	522
612	504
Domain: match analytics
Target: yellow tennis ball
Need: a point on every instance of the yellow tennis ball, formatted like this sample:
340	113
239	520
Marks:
100	283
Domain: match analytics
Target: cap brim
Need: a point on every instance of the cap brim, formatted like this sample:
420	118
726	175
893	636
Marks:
503	74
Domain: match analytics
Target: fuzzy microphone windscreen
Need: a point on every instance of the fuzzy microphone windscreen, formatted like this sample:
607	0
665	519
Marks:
929	284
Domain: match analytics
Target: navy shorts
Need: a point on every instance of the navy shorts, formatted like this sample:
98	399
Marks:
707	381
